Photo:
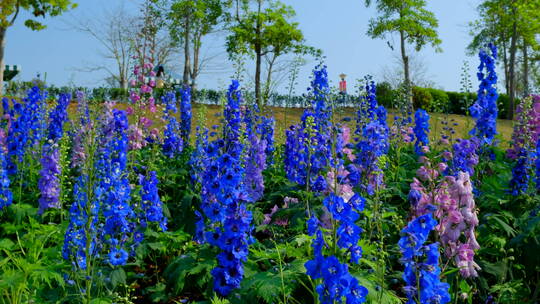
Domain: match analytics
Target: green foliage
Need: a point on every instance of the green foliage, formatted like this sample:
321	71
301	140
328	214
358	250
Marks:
409	17
422	98
11	8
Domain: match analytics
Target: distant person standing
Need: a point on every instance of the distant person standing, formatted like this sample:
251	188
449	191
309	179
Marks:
159	77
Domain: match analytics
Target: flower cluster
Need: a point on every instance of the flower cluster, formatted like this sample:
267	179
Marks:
421	130
537	165
6	196
254	167
521	173
337	283
26	126
223	198
450	199
266	130
307	147
464	155
172	142
527	127
198	157
81	234
49	182
459	216
484	110
57	118
151	204
422	272
115	190
185	113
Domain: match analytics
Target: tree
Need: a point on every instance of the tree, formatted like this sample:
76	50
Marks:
513	26
412	21
9	11
115	33
263	32
190	21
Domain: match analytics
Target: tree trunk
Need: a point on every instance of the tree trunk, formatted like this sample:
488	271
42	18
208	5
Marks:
187	63
506	70
258	52
406	72
512	72
195	68
269	79
2	46
525	69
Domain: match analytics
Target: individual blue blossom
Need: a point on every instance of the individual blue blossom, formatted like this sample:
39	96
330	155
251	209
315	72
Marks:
118	257
151	204
185	113
484	110
521	173
49	181
421	130
422	272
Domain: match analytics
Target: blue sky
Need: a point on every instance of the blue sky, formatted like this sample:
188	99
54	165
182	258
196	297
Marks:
338	27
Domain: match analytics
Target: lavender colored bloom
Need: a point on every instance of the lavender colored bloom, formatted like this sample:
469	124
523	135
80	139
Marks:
49	182
465	158
255	165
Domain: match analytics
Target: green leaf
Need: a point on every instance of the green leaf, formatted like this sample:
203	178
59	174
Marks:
118	276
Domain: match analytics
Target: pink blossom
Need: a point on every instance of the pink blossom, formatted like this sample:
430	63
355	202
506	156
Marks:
129	110
146	122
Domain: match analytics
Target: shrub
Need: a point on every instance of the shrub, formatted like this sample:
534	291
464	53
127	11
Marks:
385	94
440	103
422	98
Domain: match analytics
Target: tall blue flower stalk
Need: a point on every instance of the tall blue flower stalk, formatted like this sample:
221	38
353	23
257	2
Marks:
223	199
115	190
27	127
421	130
151	205
266	130
198	158
537	165
307	150
484	110
49	182
464	157
422	271
6	196
255	165
172	142
336	281
519	183
185	113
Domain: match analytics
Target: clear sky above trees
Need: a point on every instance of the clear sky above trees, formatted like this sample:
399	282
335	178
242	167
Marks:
337	27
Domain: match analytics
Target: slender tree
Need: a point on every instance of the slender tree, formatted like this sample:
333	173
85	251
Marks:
189	22
9	11
513	25
411	21
264	30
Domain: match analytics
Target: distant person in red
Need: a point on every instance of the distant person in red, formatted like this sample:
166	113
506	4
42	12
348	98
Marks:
343	84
